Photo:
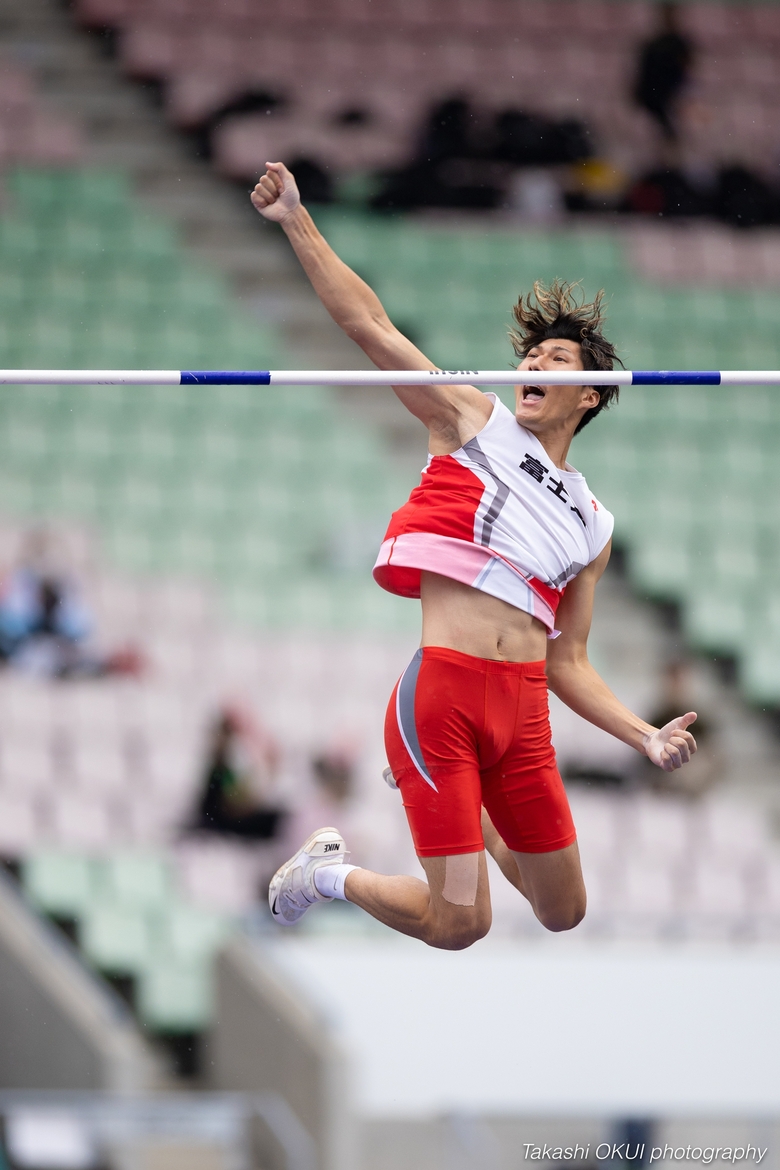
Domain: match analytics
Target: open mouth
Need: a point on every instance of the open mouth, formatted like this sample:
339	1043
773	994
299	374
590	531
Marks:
533	394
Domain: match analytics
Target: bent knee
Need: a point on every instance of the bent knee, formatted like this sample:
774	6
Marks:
561	918
457	936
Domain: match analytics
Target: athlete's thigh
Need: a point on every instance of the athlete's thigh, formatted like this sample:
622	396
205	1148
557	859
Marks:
522	790
554	886
431	749
460	895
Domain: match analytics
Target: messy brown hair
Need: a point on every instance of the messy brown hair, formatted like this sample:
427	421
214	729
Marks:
560	311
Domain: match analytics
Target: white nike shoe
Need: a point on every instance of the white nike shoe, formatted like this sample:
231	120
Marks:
292	890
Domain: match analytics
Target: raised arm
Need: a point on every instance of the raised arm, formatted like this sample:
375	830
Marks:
451	413
572	678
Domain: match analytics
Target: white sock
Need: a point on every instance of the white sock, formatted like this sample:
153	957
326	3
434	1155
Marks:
329	879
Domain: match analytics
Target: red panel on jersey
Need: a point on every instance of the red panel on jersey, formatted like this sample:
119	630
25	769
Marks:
445	502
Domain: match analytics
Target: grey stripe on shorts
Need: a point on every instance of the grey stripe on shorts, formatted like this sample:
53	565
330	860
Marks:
404	710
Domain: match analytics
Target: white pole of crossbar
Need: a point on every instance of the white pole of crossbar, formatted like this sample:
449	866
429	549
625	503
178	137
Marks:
389	377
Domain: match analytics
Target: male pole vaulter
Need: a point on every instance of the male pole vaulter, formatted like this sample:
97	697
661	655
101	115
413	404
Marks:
503	543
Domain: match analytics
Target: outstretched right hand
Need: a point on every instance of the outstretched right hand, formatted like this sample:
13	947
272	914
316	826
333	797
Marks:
671	746
276	195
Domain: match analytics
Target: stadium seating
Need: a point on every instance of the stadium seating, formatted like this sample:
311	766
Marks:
130	924
503	54
30	131
290	525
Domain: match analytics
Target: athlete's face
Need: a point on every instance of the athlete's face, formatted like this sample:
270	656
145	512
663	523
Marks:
542	406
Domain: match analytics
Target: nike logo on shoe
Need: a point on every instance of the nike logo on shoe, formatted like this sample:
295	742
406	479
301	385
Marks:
332	847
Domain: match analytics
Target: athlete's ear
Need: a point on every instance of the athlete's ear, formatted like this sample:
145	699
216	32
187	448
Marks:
592	397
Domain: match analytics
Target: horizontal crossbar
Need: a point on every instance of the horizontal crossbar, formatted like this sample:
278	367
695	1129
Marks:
389	377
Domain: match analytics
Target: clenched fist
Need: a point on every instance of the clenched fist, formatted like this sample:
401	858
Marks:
276	196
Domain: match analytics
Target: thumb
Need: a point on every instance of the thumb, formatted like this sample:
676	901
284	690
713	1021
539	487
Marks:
683	722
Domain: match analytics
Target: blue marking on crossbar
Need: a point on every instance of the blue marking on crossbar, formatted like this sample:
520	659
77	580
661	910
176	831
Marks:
675	378
225	378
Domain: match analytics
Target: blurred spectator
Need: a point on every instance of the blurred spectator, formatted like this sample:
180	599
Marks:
663	69
449	131
529	140
239	773
315	184
668	192
537	195
596	184
735	195
744	199
334	772
467	161
450	168
330	799
706	766
45	625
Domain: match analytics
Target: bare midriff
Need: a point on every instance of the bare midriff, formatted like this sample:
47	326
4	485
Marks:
462	618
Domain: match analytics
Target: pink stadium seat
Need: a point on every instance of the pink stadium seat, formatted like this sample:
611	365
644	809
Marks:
770	887
459	62
216	49
233	11
191	97
219	875
621	23
719	889
77	822
242	144
645	887
720	26
275	58
598	827
358	12
20	827
16	88
760	75
663	828
103	13
331	54
295	12
766	22
150	50
50	140
99	767
422	14
27	765
30	133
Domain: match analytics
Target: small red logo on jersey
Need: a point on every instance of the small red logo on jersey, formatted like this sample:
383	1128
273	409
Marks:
595	506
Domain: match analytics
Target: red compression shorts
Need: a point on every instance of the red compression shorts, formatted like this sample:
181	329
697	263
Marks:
463	732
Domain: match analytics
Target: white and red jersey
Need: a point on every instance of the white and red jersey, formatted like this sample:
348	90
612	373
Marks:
498	515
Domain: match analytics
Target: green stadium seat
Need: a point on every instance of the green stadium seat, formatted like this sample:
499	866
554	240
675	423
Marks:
759	672
175	996
137	880
60	884
660	568
191	934
20	246
716	621
117	938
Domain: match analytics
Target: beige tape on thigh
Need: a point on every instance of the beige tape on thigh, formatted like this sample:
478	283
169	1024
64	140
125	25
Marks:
461	877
